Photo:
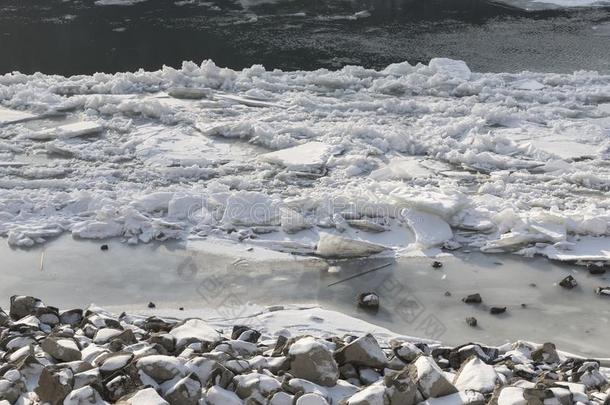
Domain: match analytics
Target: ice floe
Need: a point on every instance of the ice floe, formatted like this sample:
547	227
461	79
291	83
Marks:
339	163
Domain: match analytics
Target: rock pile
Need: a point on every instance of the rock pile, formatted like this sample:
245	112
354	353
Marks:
90	356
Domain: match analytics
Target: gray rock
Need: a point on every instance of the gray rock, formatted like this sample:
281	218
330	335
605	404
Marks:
547	354
311	399
401	389
10	390
473	299
569	282
603	291
161	368
71	317
597	268
147	396
61	349
405	351
430	380
368	300
363	352
54	385
194	330
22	306
186	391
372	395
311	360
348	371
4	318
113	362
167	341
83	396
47	315
90	377
255	385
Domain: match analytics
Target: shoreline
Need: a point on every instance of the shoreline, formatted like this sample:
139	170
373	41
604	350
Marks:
128	277
314	357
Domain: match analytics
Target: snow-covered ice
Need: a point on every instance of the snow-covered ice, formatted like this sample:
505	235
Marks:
406	158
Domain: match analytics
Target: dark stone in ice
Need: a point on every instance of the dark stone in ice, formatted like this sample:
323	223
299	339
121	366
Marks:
596	268
569	282
368	300
524	305
104	247
473	299
497	310
437	265
603	291
181	308
471	321
151	305
447	294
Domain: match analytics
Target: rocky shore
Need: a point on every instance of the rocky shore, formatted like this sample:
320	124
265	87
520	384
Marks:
90	356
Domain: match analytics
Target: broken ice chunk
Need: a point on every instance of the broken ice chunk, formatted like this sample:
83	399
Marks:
430	230
528	84
510	241
402	169
13	116
292	221
67	131
247	101
333	246
309	157
189	93
567	150
586	249
251	208
455	69
441	204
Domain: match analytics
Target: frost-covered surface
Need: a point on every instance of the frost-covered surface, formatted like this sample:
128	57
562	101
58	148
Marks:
410	157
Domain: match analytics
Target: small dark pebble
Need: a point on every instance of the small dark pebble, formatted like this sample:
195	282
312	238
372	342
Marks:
603	291
471	321
447	294
368	300
533	285
497	310
596	269
437	265
104	247
473	299
569	282
523	305
181	308
151	305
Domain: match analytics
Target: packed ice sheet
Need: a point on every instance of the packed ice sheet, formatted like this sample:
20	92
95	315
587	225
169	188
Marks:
407	159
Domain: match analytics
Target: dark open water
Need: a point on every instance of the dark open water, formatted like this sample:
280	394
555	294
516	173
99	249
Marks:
73	37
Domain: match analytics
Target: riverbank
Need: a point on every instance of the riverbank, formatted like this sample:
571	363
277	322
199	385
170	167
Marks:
280	356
